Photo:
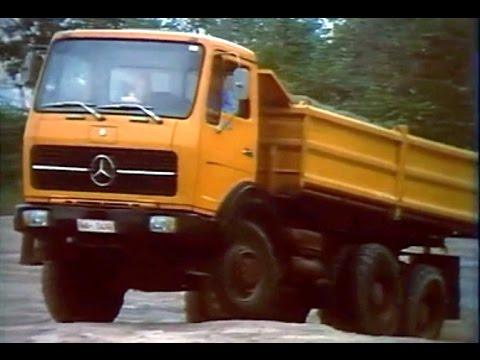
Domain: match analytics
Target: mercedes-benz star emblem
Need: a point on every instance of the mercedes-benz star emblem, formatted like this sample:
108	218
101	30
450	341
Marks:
102	170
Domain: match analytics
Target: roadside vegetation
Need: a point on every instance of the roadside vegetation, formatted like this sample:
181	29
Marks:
12	122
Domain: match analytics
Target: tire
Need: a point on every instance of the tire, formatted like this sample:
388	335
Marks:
376	291
425	305
249	279
339	314
80	292
201	306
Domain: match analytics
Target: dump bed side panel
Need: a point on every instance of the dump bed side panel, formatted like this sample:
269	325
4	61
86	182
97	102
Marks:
349	159
280	149
439	180
390	166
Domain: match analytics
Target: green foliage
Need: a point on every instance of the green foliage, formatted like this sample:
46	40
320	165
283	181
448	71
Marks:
403	71
11	128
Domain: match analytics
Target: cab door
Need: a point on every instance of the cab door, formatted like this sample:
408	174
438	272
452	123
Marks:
228	140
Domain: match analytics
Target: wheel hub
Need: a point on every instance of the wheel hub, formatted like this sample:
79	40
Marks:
378	294
423	315
246	271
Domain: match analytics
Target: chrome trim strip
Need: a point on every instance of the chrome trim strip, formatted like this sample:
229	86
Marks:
118	171
145	172
59	168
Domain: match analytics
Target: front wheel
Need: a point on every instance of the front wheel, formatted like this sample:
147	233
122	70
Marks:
75	291
249	280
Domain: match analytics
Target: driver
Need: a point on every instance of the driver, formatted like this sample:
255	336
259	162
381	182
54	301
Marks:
229	102
136	89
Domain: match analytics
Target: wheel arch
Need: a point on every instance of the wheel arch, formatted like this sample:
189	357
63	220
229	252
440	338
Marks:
248	201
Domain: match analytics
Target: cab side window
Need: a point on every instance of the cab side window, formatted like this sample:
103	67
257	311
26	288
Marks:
222	98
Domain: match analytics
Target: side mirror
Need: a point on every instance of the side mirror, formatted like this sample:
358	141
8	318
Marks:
241	82
31	68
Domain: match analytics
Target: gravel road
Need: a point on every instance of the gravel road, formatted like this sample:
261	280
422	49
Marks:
158	317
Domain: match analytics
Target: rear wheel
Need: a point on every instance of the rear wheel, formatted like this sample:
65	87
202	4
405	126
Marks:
75	291
339	313
425	302
376	290
250	278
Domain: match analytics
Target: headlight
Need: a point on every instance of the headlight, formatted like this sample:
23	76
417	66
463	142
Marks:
163	224
35	218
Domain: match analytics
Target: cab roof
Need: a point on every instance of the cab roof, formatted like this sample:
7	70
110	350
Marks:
142	34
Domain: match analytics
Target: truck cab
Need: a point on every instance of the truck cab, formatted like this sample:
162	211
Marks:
186	159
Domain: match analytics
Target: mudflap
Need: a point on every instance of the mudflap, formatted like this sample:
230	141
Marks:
30	253
198	280
450	267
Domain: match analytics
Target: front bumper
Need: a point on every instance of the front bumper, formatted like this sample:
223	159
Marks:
62	221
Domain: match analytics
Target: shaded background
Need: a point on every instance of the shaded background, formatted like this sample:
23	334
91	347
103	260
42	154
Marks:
419	72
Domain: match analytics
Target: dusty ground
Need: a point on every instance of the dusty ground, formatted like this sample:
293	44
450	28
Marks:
158	317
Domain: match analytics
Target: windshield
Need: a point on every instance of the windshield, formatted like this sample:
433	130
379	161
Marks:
162	76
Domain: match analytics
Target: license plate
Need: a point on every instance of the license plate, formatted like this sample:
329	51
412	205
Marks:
96	226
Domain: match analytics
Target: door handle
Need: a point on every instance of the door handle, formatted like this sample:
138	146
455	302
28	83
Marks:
247	152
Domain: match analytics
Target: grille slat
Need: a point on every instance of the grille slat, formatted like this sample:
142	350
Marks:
125	159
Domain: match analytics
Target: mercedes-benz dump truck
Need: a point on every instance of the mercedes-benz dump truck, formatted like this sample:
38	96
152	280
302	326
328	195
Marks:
164	161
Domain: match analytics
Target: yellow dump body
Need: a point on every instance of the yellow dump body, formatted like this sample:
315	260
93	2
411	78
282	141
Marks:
308	148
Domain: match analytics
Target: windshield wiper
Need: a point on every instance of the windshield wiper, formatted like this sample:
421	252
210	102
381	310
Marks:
87	107
142	108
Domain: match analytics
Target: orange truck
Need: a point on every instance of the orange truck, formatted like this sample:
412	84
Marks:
163	161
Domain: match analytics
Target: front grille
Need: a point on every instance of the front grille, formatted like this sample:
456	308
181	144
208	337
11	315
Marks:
149	172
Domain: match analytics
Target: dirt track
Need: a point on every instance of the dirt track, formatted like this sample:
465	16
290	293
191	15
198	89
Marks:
158	317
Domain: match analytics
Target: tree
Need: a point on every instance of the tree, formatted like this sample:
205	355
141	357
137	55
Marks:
403	71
